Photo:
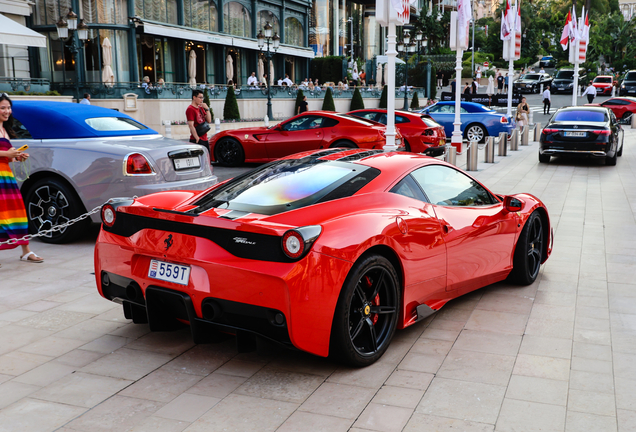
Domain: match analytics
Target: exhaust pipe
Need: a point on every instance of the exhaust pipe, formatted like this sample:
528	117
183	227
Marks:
211	311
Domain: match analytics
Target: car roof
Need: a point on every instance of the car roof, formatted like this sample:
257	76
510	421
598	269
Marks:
64	120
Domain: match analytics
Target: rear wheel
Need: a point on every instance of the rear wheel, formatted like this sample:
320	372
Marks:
529	251
628	117
475	132
367	312
229	152
343	143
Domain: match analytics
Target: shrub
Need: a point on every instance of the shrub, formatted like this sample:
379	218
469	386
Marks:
230	108
327	103
356	100
383	97
299	99
433	94
415	102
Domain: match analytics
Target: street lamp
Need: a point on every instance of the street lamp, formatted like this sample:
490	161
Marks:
81	31
266	36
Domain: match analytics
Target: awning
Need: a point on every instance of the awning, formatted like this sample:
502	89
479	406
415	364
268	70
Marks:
201	36
381	59
12	33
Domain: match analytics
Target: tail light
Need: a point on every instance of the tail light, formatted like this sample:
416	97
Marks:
548	131
137	164
601	132
504	119
297	242
428	132
108	215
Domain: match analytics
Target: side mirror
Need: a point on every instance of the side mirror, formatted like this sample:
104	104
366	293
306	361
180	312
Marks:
513	204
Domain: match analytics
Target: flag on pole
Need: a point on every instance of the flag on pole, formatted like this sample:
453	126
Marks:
585	37
518	32
464	15
565	35
505	23
574	27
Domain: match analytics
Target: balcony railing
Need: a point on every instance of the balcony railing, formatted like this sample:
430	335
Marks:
26	85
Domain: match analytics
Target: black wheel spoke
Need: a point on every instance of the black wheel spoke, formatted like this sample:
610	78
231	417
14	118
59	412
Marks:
360	293
356	331
383	310
372	335
379	284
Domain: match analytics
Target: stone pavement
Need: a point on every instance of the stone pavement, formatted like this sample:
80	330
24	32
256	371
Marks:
559	355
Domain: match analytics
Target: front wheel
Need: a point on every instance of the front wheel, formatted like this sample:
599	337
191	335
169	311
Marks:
529	251
367	312
229	152
49	203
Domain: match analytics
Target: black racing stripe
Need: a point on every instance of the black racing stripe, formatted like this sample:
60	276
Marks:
242	244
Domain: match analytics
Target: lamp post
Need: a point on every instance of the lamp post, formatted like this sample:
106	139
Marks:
406	47
275	41
78	32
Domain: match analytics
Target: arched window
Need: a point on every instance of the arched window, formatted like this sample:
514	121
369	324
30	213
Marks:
266	16
236	20
200	14
294	32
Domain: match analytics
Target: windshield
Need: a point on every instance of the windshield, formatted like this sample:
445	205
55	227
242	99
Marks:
581	116
356	119
631	76
603	80
290	184
533	77
565	74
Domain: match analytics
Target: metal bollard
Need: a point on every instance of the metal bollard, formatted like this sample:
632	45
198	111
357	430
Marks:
168	125
541	91
537	131
490	150
503	144
531	117
514	140
266	120
472	156
217	125
451	155
633	121
525	135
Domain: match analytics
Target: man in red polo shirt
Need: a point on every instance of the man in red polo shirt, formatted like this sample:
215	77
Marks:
197	113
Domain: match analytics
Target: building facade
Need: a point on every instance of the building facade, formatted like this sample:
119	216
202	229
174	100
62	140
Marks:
14	60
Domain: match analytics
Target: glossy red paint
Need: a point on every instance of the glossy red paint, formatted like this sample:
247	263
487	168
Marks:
420	137
330	129
439	252
604	83
621	106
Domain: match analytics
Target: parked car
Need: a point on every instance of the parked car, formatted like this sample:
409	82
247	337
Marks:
564	81
590	131
603	84
532	82
478	121
308	131
628	84
82	155
547	61
420	133
328	251
622	107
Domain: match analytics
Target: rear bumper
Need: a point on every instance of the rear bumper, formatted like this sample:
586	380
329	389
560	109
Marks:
435	151
556	152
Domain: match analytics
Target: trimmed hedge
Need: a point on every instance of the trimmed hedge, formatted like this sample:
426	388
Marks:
327	103
415	102
383	97
230	108
206	100
356	100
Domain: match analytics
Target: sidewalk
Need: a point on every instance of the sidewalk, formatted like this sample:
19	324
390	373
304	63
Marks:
559	355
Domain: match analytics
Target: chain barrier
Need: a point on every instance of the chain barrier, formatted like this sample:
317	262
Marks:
55	228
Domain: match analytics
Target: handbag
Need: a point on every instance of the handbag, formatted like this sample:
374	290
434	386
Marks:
202	128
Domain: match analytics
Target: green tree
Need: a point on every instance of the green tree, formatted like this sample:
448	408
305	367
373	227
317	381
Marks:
415	102
356	100
299	99
327	103
383	97
230	108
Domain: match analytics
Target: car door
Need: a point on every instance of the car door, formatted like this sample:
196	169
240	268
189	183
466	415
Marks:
479	233
297	135
618	106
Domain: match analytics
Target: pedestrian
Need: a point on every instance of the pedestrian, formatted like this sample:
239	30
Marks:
363	76
474	86
199	118
287	81
13	218
478	75
280	81
453	85
467	88
500	82
302	106
546	100
252	81
590	92
86	100
522	113
506	84
440	78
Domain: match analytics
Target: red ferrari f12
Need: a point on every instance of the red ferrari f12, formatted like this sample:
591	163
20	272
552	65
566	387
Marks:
328	251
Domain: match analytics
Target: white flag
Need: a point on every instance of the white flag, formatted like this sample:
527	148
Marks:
464	14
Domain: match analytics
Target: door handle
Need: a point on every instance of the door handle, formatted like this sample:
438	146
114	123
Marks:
446	227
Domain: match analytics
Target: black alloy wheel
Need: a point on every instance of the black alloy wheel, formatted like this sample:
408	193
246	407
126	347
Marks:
50	202
529	251
367	312
229	152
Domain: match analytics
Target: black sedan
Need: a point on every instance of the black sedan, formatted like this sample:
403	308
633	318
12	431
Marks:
532	82
592	131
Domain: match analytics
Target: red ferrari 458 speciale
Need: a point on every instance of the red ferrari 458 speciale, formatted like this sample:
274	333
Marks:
328	251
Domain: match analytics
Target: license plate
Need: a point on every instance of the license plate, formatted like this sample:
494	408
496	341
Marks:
169	272
575	134
599	90
186	163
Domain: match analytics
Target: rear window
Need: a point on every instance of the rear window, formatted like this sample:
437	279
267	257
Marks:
285	185
581	116
430	122
603	79
565	74
114	124
356	119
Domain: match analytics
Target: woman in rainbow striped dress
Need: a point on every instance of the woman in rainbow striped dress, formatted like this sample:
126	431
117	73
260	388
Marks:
13	219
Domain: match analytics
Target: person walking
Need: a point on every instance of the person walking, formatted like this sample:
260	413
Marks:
522	113
440	78
500	82
478	75
506	84
590	92
467	88
302	106
197	114
546	100
13	219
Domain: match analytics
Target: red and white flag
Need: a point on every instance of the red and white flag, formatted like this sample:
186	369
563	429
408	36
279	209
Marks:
574	28
585	38
518	32
565	35
505	23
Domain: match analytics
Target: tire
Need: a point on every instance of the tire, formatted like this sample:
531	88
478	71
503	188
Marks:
529	251
229	152
627	115
367	312
611	161
343	143
407	146
544	158
619	153
477	131
50	202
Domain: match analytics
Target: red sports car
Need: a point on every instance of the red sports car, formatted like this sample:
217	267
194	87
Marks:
603	84
623	107
311	130
328	251
421	134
